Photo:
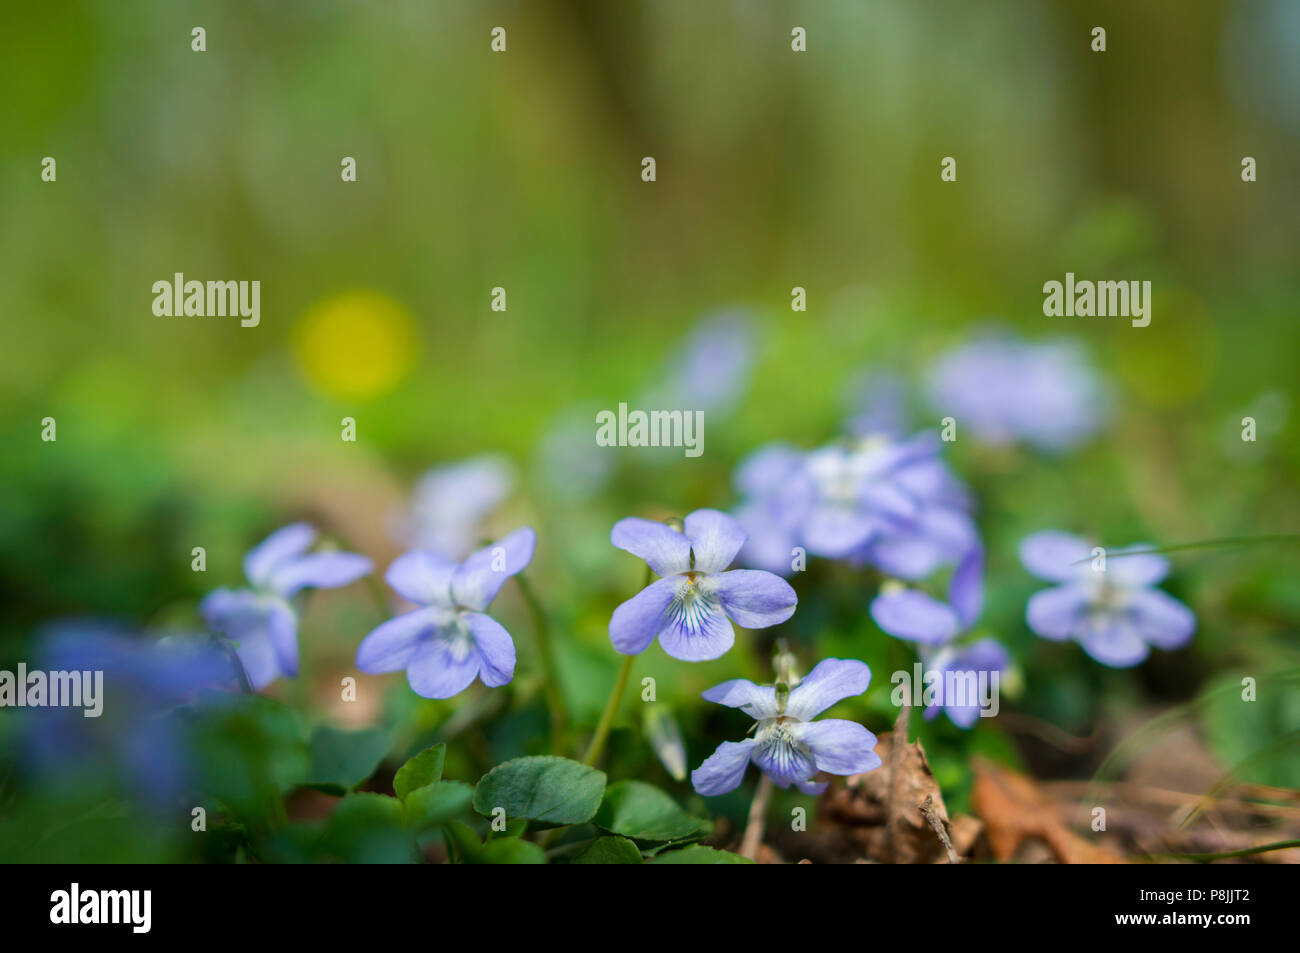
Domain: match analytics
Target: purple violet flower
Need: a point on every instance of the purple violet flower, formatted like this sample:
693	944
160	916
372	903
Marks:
449	640
788	746
877	404
134	735
450	502
711	369
777	493
881	501
261	620
1114	612
917	617
940	530
690	609
1003	390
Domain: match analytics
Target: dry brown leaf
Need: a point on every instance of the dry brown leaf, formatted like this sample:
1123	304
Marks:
1014	809
895	829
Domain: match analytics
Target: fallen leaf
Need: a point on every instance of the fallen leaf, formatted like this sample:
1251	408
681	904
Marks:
891	825
1015	810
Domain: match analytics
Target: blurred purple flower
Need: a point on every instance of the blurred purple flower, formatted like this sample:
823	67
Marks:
449	641
690	609
934	529
777	493
261	620
917	617
877	404
788	746
1003	390
1109	606
572	466
711	370
451	501
889	503
137	737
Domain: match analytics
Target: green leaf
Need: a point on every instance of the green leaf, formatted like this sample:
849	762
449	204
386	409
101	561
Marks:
365	829
698	854
423	769
437	803
365	810
248	753
514	828
468	849
462	842
340	760
609	850
509	850
644	812
550	789
1257	739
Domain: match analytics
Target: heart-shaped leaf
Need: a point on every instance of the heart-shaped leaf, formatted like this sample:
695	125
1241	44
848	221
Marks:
422	769
609	850
542	788
644	812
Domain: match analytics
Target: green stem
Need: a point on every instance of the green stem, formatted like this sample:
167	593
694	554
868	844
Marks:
597	745
615	698
550	675
302	682
1244	852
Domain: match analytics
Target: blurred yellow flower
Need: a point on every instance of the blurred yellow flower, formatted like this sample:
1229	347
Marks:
355	345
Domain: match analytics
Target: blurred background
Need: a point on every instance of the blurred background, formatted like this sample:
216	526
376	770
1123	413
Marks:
522	170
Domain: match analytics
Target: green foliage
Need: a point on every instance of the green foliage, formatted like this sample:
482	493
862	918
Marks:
609	850
1257	740
424	768
543	788
341	760
699	854
465	847
249	753
643	812
367	828
437	803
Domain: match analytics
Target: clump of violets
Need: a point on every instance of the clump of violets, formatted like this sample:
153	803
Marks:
1106	602
691	608
882	501
788	745
935	626
449	640
1005	390
261	620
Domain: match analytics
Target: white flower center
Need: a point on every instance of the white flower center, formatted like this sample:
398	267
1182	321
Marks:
695	602
782	749
458	639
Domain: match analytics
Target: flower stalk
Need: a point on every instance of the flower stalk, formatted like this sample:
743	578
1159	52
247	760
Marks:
597	744
756	821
